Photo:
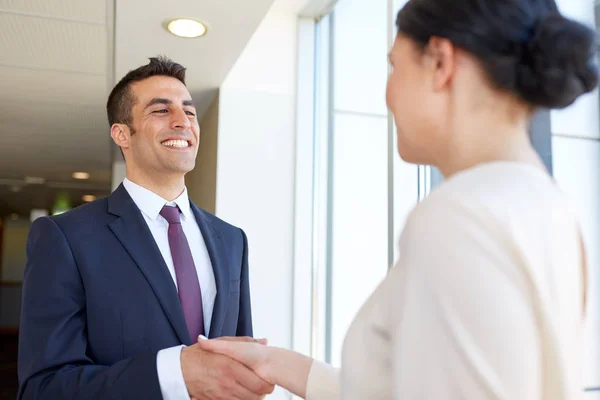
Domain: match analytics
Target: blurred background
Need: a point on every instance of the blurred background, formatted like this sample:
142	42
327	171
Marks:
291	101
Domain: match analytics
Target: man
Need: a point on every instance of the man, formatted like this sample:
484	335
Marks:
116	292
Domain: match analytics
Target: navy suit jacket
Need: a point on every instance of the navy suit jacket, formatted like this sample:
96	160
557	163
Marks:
99	301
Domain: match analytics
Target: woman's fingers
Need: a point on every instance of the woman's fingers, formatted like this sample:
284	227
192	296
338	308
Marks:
231	349
239	339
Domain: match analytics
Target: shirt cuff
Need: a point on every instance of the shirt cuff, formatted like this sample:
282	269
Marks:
323	382
170	375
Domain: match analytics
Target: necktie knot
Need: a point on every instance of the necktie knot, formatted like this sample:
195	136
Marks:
171	214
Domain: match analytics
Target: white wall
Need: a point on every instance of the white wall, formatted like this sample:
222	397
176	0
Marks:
118	173
201	182
255	168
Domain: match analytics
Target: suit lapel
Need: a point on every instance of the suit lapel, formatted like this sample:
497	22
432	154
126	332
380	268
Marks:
134	234
220	265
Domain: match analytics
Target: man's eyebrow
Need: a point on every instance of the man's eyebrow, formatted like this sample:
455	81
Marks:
158	100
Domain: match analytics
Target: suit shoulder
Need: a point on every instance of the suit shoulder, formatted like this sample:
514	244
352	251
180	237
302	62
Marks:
90	212
217	222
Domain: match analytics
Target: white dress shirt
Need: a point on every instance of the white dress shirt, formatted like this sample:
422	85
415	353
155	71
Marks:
485	301
168	361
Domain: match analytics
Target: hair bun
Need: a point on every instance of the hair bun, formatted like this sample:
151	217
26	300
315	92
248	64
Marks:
558	64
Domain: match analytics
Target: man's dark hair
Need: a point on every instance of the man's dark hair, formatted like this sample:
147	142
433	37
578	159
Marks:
121	99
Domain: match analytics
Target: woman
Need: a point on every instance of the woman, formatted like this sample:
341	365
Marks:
487	299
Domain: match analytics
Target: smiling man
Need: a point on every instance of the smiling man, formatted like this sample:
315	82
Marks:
116	292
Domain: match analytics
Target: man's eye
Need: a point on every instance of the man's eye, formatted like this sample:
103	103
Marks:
190	113
159	112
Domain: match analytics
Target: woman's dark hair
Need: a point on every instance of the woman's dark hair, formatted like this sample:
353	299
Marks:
526	46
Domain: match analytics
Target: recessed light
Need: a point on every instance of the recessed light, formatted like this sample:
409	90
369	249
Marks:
187	28
81	175
34	180
88	198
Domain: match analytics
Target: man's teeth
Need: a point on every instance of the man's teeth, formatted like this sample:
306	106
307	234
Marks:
175	143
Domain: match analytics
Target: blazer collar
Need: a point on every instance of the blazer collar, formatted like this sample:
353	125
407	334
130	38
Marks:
133	232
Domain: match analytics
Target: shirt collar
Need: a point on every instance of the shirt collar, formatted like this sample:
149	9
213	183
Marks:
150	203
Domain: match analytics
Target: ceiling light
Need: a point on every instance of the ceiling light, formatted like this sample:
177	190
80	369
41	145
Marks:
81	175
88	198
187	28
34	180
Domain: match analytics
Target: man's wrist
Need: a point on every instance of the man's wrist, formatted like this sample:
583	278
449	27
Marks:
184	358
170	376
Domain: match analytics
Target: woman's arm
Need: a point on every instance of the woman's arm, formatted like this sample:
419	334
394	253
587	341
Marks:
293	371
289	369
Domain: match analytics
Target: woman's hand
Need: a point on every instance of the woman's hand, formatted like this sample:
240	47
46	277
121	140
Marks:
253	353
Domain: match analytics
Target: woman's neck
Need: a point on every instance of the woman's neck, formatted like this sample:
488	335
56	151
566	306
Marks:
484	139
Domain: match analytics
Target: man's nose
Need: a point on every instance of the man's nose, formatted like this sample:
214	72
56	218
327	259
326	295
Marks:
180	120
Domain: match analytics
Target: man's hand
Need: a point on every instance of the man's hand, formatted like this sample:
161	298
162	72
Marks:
251	353
210	376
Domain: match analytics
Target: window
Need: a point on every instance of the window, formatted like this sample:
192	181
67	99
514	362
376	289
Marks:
361	190
576	165
354	192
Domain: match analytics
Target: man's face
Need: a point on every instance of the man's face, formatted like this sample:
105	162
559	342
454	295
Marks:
164	133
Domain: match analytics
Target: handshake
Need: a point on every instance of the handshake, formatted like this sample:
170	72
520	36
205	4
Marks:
227	368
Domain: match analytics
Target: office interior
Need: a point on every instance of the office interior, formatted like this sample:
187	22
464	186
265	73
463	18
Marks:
296	140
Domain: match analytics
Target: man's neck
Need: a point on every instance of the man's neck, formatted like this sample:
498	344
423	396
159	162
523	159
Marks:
168	187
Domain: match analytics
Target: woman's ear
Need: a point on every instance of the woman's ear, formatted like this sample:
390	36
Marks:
442	55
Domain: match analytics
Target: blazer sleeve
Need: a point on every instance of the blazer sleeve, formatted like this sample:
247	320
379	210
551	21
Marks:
244	327
53	360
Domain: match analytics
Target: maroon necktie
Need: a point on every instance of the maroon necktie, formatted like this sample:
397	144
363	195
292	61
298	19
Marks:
185	271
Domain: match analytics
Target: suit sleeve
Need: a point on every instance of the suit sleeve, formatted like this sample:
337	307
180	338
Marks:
53	355
245	315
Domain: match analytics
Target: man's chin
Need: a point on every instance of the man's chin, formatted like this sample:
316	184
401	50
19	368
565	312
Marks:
182	168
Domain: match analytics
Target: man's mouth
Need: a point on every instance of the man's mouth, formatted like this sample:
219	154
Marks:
179	144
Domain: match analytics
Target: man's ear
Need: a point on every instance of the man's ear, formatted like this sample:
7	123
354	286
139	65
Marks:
121	135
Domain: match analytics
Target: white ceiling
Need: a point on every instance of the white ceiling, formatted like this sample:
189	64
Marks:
231	23
58	61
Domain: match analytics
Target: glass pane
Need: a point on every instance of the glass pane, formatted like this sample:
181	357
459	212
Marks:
406	193
360	56
581	118
576	165
398	4
360	217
